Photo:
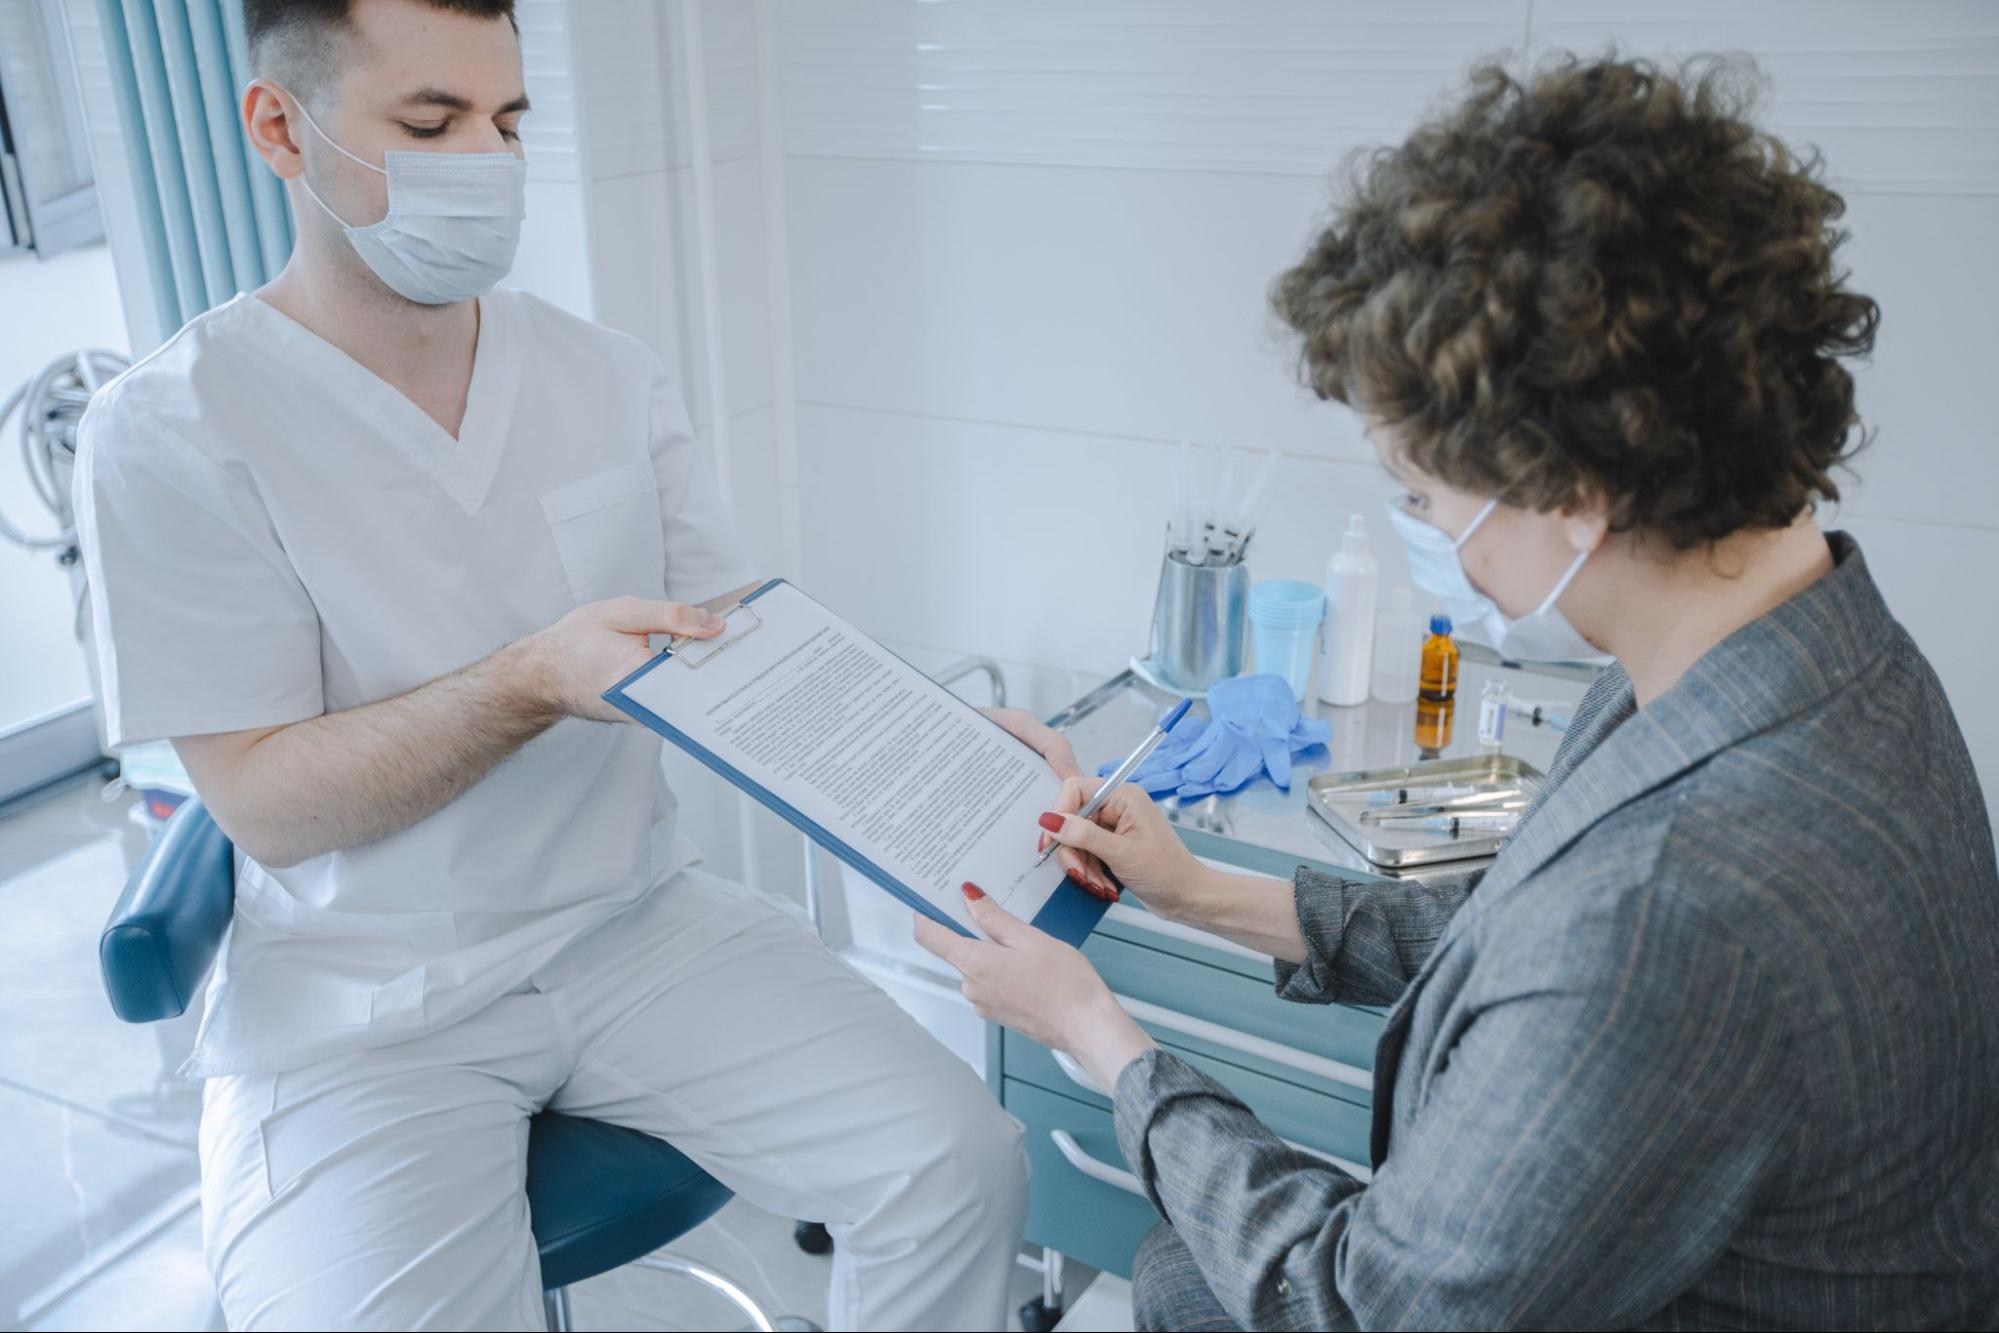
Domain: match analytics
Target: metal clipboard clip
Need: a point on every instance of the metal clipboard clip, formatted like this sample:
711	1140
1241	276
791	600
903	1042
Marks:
697	653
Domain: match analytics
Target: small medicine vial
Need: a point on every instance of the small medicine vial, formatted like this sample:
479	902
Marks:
1492	715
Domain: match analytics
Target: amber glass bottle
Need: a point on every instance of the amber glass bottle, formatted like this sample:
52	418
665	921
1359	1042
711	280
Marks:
1433	727
1439	679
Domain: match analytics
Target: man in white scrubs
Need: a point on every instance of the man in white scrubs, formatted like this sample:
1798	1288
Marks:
367	544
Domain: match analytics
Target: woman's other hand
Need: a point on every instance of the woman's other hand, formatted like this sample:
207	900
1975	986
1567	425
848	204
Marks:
1040	987
1043	739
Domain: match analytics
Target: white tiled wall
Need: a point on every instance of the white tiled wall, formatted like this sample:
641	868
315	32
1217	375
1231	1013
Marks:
1899	97
1029	245
1217	85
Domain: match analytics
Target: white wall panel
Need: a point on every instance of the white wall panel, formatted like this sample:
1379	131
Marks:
1902	98
1934	452
646	282
755	505
551	132
1249	85
554	257
1040	546
1110	302
632	64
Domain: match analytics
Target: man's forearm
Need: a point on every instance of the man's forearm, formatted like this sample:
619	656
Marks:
288	793
351	777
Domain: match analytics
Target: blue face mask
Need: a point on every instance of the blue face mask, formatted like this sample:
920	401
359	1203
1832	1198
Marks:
453	224
1437	567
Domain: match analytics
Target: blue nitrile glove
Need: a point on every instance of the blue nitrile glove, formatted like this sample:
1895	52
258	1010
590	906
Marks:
1160	773
1232	767
1254	727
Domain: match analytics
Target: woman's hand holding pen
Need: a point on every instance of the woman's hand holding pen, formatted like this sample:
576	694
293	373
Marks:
1054	747
1129	834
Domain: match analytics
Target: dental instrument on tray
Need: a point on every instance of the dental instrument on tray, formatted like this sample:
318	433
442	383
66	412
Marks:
1128	767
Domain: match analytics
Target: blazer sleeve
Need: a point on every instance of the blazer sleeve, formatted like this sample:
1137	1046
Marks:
1365	938
1600	1130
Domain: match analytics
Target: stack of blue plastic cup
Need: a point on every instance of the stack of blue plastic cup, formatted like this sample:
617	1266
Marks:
1284	617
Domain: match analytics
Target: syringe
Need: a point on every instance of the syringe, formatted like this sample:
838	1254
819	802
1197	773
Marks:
1406	795
1489	821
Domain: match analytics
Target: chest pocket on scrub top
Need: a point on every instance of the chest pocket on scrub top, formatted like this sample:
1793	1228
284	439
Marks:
607	530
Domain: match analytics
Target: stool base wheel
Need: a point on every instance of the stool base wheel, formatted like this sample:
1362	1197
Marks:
1037	1316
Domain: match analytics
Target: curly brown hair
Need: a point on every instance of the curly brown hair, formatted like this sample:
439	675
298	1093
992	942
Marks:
1597	283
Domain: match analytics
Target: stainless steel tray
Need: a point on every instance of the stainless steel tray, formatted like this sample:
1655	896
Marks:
1338	798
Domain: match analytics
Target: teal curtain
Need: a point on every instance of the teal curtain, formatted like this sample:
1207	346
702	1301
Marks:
211	213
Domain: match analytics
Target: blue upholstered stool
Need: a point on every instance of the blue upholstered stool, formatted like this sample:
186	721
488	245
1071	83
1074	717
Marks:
600	1195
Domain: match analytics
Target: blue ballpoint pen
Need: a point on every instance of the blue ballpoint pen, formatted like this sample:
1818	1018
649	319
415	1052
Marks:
1128	767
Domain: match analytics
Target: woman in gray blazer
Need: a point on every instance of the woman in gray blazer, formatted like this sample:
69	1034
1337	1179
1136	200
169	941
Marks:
1715	1041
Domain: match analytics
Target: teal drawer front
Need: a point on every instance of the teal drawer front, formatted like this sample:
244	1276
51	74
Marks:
1220	1012
1131	922
1070	1208
1328	1125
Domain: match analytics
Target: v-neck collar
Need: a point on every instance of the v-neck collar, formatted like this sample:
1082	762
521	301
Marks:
463	468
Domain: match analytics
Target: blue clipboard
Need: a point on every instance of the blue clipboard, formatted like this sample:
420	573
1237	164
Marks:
1070	913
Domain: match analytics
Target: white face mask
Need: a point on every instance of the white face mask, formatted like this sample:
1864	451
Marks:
1542	635
453	224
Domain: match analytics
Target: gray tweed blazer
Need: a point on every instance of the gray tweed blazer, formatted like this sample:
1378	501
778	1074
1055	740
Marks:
1713	1043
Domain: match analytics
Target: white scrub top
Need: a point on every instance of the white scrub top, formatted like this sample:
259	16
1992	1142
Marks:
273	532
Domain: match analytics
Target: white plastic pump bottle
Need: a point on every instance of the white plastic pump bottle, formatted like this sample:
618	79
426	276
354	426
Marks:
1352	585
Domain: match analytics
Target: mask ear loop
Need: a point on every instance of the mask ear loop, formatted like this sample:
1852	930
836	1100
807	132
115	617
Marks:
314	195
1477	520
1562	584
329	141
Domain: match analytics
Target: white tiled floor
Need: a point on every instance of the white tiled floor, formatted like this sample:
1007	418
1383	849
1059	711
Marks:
99	1165
97	1161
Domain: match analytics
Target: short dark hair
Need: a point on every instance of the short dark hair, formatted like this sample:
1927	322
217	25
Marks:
1596	282
293	40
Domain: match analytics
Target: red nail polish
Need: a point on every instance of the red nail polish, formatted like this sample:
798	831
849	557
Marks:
973	891
1052	822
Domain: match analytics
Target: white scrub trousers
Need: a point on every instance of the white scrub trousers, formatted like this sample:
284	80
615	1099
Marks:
386	1189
